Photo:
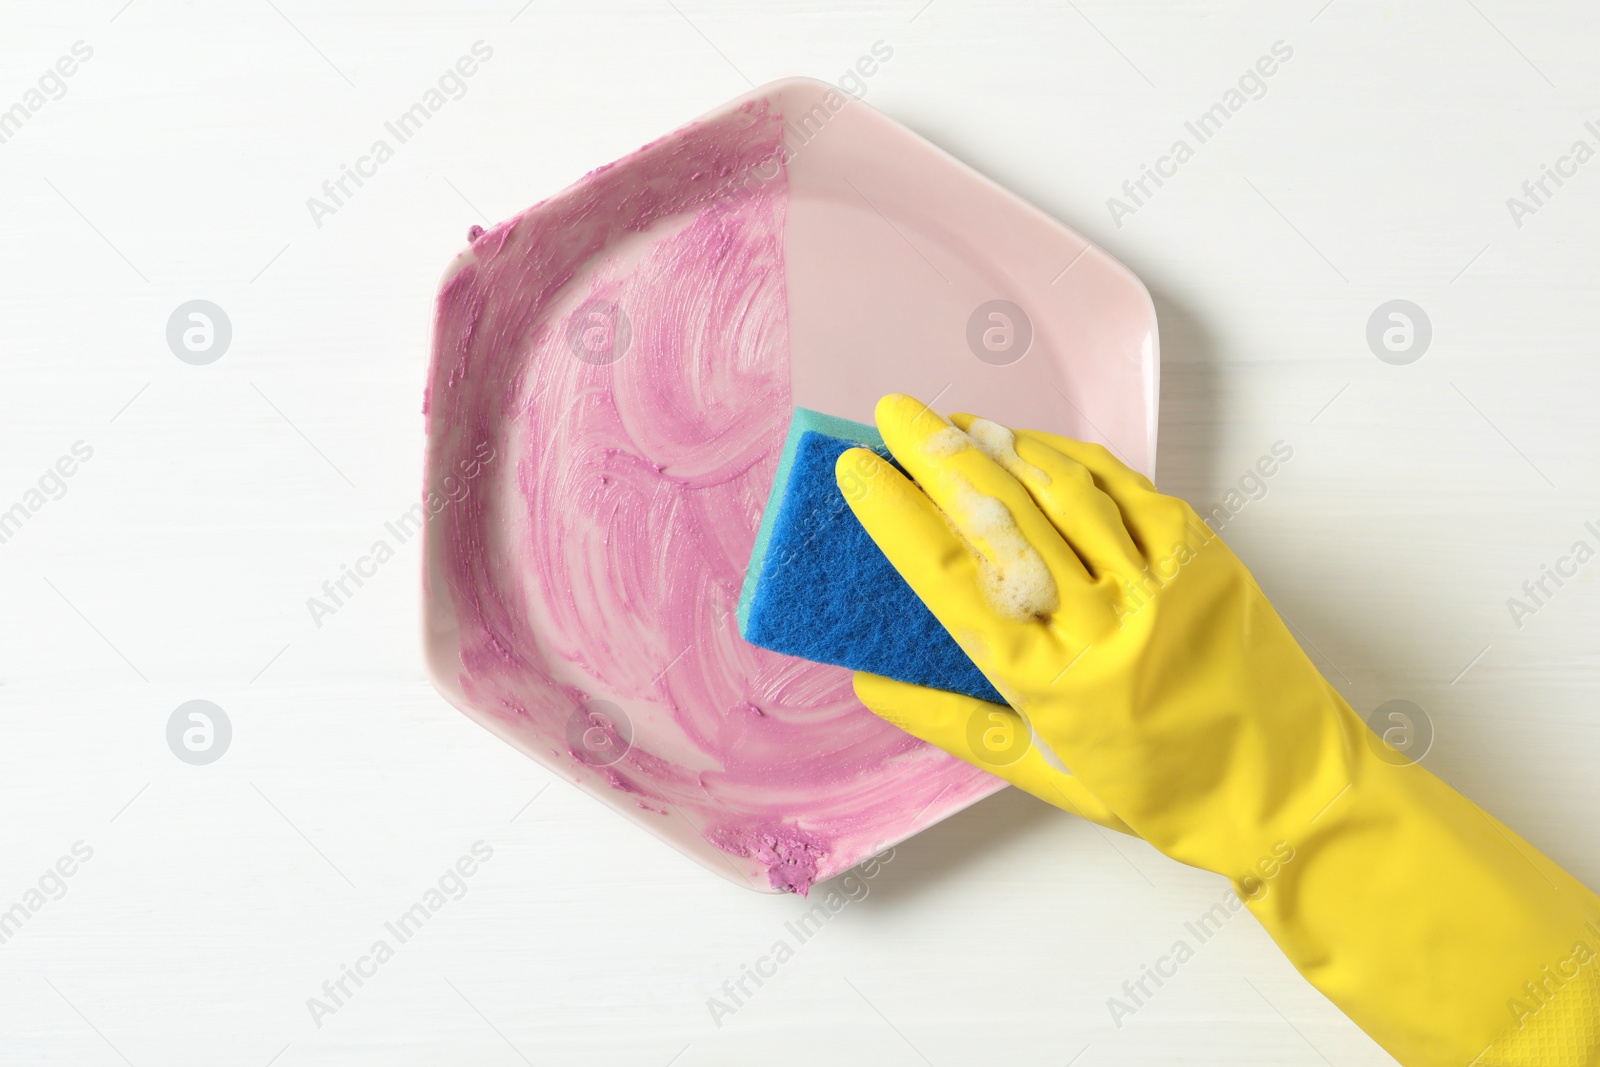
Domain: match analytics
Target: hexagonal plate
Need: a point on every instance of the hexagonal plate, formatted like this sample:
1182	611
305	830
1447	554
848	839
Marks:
612	376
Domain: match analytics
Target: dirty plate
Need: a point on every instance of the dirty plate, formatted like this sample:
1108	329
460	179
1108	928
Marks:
613	372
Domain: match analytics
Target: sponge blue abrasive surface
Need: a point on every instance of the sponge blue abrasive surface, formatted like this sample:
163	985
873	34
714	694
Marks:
818	587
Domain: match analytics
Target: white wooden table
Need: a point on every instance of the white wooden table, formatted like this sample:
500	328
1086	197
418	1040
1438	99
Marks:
207	904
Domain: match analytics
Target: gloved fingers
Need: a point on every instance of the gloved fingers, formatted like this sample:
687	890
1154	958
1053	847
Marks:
1080	510
1026	570
1162	527
915	537
1120	481
990	736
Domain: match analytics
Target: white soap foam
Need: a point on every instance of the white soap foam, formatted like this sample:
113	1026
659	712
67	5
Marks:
945	442
1000	444
1013	575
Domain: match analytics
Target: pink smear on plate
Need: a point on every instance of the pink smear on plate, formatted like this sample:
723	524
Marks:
623	352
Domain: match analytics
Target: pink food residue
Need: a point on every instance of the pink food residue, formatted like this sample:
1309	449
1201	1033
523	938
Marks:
624	348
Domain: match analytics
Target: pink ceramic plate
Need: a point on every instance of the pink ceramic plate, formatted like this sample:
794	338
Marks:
613	372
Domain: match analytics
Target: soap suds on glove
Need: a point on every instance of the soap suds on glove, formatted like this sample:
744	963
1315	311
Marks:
1000	444
993	440
1012	574
945	442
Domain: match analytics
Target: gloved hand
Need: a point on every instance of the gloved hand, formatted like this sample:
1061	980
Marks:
991	736
1145	659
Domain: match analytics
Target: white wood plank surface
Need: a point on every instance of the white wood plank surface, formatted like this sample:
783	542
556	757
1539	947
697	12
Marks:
174	563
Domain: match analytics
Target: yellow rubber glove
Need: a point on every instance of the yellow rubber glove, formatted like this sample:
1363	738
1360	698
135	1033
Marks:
991	736
1144	658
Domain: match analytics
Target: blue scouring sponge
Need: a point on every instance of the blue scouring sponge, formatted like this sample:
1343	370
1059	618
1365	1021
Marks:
818	588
